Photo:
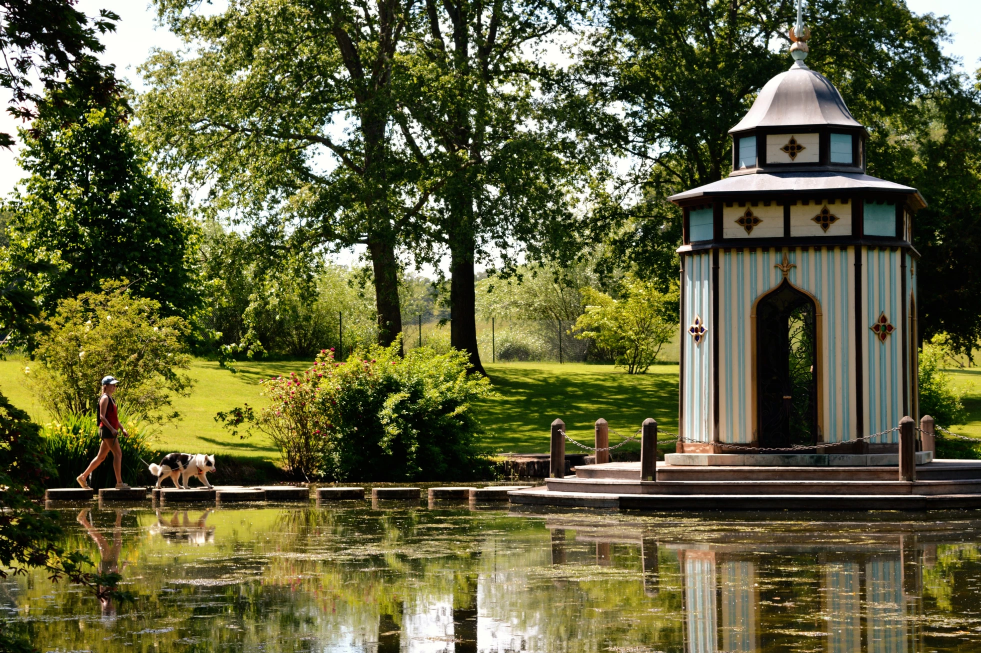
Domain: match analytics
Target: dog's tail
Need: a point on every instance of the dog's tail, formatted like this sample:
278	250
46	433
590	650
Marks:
153	467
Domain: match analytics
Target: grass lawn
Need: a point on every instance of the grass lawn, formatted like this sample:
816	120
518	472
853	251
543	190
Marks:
534	394
969	381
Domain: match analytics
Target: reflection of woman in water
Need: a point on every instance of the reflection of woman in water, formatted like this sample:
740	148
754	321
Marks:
108	556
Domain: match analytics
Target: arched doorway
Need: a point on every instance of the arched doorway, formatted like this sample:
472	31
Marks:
787	369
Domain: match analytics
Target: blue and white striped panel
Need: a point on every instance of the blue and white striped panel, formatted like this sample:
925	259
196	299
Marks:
883	362
886	631
738	606
697	418
843	607
700	604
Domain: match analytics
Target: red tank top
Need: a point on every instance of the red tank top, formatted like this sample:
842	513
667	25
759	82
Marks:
111	415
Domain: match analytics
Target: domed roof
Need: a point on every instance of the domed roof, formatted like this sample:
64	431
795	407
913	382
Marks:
796	98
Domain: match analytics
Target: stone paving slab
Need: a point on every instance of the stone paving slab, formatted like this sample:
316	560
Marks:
449	493
235	495
396	493
493	493
174	495
286	493
69	494
340	493
127	494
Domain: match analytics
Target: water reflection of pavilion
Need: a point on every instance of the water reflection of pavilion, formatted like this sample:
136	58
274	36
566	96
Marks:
871	588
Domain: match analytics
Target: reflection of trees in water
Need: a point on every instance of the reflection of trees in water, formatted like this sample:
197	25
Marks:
351	575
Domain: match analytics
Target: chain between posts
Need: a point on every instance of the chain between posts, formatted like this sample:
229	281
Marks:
790	447
611	448
949	434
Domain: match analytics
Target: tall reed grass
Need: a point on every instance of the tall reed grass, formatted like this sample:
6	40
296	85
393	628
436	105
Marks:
72	441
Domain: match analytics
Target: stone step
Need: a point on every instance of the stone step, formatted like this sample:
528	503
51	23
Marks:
753	502
340	493
286	493
69	494
757	487
176	495
127	494
791	459
493	492
938	470
237	495
396	493
449	493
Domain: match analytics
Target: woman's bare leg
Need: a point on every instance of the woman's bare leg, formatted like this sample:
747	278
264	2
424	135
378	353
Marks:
83	478
117	460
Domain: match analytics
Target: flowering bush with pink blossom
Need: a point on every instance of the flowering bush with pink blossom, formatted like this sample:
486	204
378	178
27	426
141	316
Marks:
379	416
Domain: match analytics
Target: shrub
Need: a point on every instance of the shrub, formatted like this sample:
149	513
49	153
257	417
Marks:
74	441
378	416
938	398
112	332
632	329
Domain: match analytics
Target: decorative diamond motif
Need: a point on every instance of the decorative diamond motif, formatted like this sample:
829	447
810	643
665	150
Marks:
698	330
825	219
882	327
793	148
748	220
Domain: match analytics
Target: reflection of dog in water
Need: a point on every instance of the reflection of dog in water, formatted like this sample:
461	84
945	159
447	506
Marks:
181	530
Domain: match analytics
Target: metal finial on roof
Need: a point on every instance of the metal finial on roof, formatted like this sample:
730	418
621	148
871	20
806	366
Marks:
799	35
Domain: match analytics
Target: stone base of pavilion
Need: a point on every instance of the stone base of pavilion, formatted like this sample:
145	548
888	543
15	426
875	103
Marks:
791	460
940	484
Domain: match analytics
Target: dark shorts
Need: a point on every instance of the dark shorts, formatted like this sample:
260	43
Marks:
106	434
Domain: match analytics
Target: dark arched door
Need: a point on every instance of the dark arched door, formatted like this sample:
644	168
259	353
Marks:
787	387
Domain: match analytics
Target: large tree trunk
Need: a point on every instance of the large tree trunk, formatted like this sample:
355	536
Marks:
386	290
463	323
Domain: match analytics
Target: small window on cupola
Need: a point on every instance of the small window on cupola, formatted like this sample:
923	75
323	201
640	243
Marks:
747	152
840	148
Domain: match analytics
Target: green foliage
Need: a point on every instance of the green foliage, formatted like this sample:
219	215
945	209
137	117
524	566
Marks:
111	332
70	444
937	397
91	210
378	416
48	40
632	329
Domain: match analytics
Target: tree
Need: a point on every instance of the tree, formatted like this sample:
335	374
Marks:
634	328
286	113
91	210
471	119
111	332
54	42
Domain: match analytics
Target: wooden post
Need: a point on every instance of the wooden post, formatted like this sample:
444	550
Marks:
908	472
649	450
557	450
600	441
927	434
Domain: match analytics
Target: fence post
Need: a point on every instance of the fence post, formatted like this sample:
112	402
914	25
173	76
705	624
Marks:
600	441
908	471
649	450
557	450
927	434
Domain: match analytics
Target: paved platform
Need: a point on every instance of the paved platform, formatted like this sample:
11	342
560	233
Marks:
238	495
195	495
449	493
493	493
286	493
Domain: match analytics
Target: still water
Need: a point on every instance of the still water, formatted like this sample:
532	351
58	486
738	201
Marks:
440	579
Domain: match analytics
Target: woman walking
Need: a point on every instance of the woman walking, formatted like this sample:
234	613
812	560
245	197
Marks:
109	430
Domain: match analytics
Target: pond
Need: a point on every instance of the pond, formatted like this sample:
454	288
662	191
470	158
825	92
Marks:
354	578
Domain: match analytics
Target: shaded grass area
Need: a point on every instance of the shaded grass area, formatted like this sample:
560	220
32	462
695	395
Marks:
534	394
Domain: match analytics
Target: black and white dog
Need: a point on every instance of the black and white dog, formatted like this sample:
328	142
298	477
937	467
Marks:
184	466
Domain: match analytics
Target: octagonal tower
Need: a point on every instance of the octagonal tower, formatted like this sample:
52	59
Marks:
799	283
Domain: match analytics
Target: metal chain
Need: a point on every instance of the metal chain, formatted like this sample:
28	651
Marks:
611	448
949	434
792	447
